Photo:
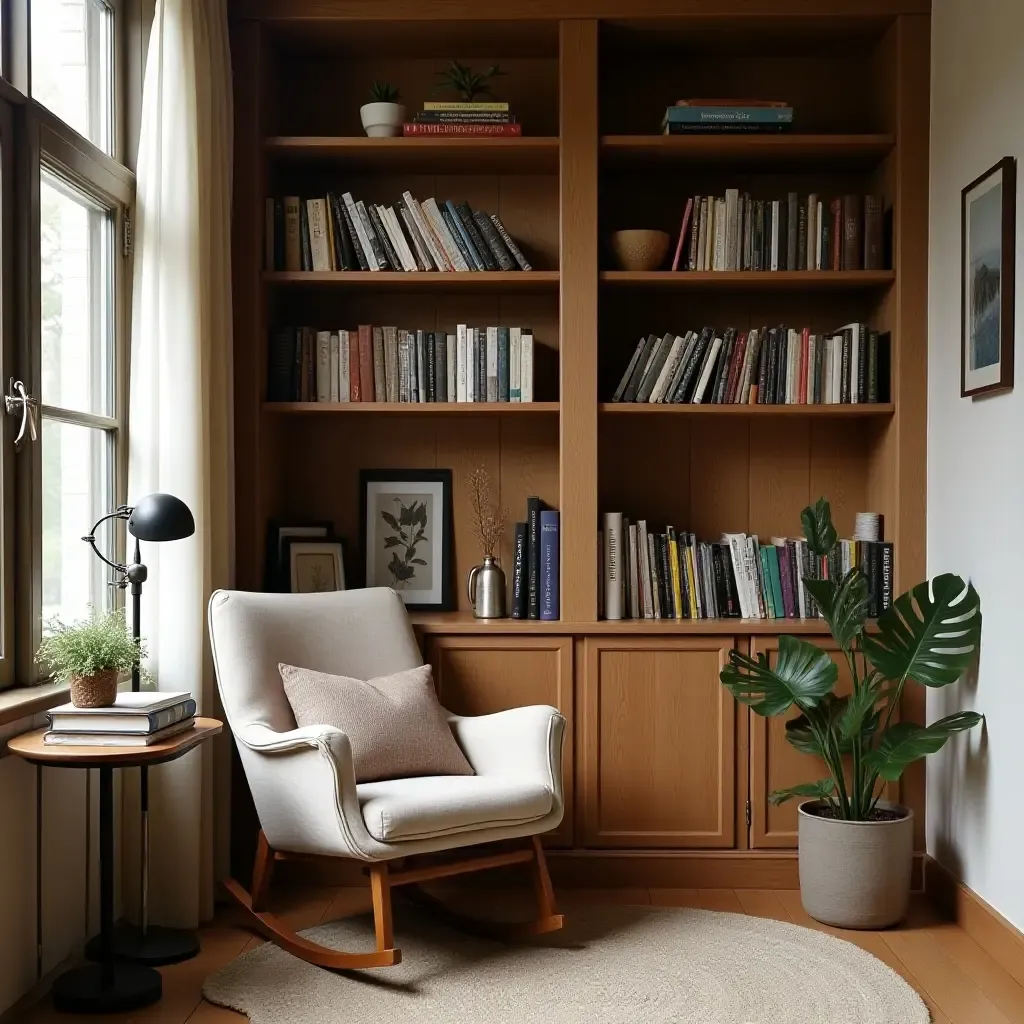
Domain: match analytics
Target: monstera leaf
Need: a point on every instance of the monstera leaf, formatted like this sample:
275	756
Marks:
818	529
905	742
835	712
930	634
859	715
844	605
803	674
822	789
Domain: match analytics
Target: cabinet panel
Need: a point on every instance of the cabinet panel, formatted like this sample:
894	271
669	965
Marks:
482	675
658	743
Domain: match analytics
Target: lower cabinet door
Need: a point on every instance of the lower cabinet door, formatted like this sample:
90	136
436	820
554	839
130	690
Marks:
657	743
482	675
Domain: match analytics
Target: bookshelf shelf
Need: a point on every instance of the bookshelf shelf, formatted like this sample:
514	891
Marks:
427	155
750	280
843	152
411	408
389	280
859	411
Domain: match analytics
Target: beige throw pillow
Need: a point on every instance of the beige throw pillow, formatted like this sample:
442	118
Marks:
395	724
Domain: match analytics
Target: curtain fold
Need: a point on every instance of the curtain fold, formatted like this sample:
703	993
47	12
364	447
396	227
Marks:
180	414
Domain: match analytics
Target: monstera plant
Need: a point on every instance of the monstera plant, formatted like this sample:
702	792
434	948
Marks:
929	636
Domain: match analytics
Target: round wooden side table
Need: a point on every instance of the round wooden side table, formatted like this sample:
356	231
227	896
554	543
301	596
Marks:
111	985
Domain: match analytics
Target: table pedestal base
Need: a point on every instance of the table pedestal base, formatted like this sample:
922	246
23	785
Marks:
81	990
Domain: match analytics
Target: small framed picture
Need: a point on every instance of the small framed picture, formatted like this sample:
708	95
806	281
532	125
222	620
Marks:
407	534
987	218
315	566
277	571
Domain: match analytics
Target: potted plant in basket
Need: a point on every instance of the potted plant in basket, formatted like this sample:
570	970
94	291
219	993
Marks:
90	655
383	117
856	850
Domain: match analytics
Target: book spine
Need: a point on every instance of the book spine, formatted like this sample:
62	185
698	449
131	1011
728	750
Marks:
504	356
424	261
728	115
452	228
465	116
466	130
281	365
421	366
514	249
687	213
612	565
379	373
885	574
430	240
307	252
360	246
515	364
493	240
292	239
480	344
457	226
335	368
466	105
533	552
519	586
436	223
853	241
391	364
316	215
873	255
451	367
526	366
440	366
483	250
354	373
428	342
844	372
379	227
461	364
492	365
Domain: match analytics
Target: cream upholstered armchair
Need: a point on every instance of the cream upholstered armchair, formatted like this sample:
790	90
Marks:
303	781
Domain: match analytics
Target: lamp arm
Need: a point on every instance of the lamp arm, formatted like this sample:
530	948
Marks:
121	512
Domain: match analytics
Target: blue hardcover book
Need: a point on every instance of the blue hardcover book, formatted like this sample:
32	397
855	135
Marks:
549	583
711	115
503	364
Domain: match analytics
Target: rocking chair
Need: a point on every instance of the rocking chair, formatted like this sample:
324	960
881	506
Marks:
303	780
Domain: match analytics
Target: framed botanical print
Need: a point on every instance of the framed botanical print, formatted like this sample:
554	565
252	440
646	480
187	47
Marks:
277	570
987	218
407	534
315	566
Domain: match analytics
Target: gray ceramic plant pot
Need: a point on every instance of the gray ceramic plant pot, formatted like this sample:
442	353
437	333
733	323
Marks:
856	874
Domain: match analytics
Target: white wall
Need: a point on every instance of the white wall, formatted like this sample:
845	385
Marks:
976	457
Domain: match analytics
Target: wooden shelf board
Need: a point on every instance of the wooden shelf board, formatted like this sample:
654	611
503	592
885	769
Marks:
525	155
442	623
412	408
826	411
749	280
434	280
843	151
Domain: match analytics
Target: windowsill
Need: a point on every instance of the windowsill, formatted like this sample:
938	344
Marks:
26	701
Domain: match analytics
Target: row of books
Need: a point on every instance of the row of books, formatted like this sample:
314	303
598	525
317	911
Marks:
466	119
725	116
388	364
764	366
736	232
332	233
141	718
673	575
536	586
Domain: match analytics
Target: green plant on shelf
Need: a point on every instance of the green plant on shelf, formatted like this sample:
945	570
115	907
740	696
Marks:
929	635
466	82
385	92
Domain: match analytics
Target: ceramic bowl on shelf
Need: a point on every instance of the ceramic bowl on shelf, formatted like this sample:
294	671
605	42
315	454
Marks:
640	248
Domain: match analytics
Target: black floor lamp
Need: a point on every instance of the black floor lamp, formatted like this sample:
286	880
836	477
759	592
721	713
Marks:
157	517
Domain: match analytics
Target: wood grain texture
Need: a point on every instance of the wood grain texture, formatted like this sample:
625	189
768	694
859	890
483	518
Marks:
578	53
657	744
480	675
750	280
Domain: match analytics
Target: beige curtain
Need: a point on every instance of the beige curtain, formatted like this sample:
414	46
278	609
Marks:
180	438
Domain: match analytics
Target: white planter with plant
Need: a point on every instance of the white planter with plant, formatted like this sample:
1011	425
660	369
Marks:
90	655
856	850
384	117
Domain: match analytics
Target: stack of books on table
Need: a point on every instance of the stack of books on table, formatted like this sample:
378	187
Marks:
700	117
464	119
135	719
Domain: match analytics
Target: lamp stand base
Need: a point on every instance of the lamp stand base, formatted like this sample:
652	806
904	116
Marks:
158	948
82	990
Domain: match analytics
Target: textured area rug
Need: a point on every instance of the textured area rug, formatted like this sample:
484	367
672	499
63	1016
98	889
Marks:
610	965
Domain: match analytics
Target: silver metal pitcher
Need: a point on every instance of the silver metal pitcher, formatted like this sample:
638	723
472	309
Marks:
486	586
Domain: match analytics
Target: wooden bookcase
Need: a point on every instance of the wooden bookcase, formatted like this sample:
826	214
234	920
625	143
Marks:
667	780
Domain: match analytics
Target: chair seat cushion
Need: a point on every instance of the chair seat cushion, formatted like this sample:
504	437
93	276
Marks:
394	723
405	809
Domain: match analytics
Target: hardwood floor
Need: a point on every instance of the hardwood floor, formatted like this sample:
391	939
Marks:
958	980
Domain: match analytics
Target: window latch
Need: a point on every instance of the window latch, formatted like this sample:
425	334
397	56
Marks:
17	402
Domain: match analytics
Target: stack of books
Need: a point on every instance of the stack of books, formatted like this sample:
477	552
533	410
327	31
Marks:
389	364
464	119
697	117
644	574
765	366
736	232
342	233
535	576
135	719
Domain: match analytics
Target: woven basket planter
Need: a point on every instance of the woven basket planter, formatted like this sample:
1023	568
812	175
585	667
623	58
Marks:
96	691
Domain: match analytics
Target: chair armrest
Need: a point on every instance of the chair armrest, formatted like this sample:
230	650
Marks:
260	737
522	741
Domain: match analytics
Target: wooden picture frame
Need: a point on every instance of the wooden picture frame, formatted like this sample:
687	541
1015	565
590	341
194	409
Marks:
315	565
987	230
276	571
422	577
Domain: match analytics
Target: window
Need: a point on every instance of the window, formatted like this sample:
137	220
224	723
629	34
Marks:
64	308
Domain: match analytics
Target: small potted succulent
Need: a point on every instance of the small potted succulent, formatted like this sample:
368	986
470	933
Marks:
467	83
384	116
90	655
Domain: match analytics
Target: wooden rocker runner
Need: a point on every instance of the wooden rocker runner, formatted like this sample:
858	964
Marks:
304	785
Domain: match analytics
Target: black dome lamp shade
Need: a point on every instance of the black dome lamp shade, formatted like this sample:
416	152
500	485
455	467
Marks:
161	517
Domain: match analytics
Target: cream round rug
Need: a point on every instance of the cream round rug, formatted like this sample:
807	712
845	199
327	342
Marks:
610	965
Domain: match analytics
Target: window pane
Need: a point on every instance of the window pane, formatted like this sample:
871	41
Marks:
77	490
72	70
76	241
